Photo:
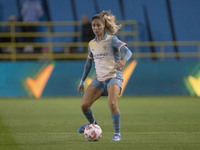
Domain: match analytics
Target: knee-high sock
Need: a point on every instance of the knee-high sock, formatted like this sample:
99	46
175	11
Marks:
116	122
89	115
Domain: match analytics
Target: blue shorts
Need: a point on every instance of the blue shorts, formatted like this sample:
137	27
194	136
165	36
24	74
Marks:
104	85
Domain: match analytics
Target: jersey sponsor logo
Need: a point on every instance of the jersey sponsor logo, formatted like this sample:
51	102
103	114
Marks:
100	56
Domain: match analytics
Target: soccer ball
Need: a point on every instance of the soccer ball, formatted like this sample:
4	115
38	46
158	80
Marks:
93	132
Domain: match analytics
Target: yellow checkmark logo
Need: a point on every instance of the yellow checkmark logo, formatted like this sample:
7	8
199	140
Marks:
37	86
195	83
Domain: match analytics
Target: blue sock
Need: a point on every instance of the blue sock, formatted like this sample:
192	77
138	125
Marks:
116	122
89	115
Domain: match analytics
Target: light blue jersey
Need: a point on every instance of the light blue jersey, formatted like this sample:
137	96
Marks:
106	53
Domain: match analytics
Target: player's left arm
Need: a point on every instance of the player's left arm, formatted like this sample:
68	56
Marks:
122	47
128	54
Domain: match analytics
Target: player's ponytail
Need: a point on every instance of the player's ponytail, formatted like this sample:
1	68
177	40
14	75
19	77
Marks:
109	21
110	24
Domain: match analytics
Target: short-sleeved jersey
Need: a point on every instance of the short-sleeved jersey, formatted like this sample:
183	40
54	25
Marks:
106	53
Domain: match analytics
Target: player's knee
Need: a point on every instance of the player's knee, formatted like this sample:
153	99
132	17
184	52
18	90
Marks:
112	103
113	106
85	107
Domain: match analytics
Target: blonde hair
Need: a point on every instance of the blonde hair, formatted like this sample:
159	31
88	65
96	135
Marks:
109	20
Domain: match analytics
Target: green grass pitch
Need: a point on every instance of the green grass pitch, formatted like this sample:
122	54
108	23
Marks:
147	123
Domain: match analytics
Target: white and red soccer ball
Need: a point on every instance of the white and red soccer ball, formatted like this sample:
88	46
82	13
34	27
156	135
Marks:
93	132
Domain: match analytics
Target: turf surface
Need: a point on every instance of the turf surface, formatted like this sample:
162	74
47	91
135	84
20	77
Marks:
147	123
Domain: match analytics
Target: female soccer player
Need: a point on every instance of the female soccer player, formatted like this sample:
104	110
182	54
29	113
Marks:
105	51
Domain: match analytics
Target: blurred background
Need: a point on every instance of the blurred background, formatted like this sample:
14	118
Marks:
43	46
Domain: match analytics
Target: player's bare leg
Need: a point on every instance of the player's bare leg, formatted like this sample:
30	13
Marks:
113	94
91	95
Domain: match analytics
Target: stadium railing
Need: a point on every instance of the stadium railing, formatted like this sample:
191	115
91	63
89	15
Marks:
129	33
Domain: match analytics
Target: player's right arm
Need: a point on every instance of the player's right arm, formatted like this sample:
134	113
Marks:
86	71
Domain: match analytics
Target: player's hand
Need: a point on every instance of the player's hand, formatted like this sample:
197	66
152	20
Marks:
121	64
81	87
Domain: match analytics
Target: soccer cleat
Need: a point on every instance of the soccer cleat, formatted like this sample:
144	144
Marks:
116	137
82	128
